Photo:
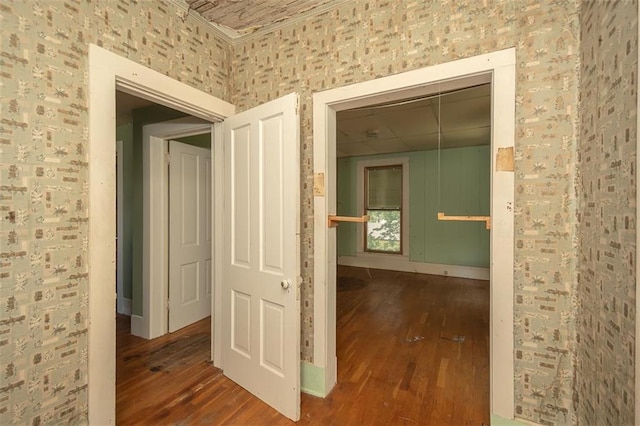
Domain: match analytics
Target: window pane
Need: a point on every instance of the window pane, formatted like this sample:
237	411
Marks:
384	187
383	231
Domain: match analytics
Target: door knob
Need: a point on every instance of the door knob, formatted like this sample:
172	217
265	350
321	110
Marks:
285	284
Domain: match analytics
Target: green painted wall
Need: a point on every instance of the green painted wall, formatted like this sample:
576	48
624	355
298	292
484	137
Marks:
124	133
347	237
464	184
202	141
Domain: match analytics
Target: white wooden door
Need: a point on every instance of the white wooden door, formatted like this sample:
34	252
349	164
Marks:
189	234
260	299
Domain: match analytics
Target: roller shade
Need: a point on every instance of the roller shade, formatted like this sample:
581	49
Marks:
384	187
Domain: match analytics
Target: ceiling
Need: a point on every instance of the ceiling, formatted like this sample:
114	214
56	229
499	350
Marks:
125	104
243	17
410	125
465	120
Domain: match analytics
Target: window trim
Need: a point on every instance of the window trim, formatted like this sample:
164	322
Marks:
366	208
404	229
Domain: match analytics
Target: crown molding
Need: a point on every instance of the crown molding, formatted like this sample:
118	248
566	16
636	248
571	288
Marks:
234	37
291	20
227	34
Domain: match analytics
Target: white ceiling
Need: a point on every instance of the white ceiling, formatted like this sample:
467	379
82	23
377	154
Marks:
465	120
125	104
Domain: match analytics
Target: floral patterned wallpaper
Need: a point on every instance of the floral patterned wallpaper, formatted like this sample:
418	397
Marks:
43	179
607	255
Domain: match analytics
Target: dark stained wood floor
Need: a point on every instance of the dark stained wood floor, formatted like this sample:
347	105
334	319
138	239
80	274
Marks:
412	349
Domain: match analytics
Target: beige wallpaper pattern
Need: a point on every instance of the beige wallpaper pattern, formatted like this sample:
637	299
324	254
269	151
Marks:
366	39
43	172
607	163
43	179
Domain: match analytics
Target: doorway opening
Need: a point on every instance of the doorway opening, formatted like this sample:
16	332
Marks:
132	113
143	366
109	72
400	164
497	68
279	122
146	131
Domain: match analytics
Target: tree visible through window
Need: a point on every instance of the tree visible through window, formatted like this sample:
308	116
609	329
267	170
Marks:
383	204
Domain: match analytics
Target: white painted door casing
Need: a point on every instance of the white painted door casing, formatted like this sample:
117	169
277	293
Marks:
189	234
261	266
498	68
106	73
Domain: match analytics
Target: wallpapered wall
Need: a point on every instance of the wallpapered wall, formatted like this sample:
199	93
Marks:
365	39
43	171
606	285
43	174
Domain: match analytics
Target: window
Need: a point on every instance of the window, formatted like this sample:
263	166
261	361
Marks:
383	204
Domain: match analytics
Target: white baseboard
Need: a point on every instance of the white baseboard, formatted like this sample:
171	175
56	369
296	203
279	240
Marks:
403	264
124	306
138	327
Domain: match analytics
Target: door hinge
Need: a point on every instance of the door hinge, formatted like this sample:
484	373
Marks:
167	158
168	304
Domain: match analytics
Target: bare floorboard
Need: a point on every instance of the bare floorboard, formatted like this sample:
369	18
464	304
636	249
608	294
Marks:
412	349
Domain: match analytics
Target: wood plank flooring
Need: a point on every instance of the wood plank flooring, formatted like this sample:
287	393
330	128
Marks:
412	349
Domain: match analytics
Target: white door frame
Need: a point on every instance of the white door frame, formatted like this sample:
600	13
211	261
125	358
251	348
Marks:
108	72
155	232
498	68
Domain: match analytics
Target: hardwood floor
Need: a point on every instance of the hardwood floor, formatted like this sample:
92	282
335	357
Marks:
412	349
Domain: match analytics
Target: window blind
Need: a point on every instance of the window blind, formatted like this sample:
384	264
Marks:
384	187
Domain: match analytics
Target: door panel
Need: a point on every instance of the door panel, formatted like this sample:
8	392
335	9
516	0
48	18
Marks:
189	234
241	324
272	344
240	175
273	189
261	312
189	281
